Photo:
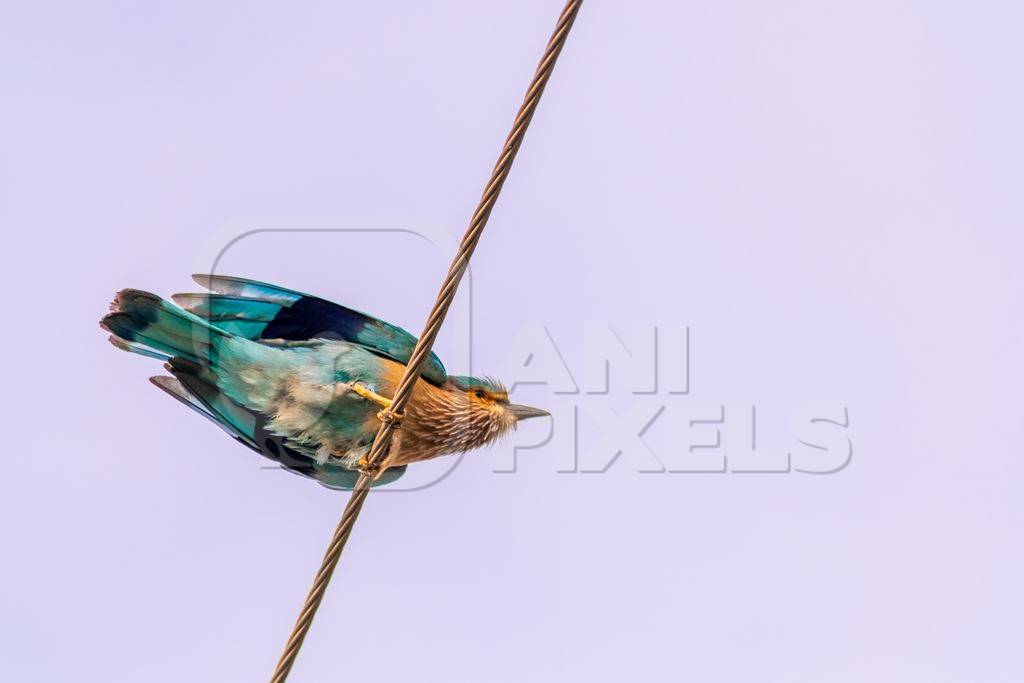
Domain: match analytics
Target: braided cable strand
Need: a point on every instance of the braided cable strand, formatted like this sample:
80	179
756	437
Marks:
382	442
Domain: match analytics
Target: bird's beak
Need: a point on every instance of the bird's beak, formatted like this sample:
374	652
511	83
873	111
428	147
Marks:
521	412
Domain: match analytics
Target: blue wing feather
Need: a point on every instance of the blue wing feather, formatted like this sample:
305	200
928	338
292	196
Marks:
257	310
248	428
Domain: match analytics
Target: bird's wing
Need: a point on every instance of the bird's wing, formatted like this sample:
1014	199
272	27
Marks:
260	311
250	428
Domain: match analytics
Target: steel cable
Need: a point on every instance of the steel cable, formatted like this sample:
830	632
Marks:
391	418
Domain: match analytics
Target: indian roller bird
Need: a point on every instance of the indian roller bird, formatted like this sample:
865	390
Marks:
301	380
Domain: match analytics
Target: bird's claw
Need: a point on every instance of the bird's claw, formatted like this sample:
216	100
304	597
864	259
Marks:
370	470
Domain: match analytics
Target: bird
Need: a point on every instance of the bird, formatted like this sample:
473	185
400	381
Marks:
302	381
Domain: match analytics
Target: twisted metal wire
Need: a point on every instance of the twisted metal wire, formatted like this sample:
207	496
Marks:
382	442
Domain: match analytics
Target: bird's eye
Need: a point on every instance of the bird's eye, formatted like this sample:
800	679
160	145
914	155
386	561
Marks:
478	393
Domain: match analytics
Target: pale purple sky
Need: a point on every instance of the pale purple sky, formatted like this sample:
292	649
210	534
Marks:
825	194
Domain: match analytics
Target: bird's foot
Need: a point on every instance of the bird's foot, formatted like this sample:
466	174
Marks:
389	416
370	395
385	414
370	470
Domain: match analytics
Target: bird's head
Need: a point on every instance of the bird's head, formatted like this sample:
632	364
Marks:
488	412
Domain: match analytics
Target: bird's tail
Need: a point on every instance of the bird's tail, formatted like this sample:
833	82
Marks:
144	323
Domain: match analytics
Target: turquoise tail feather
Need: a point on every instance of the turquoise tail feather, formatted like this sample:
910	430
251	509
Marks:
132	347
142	319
